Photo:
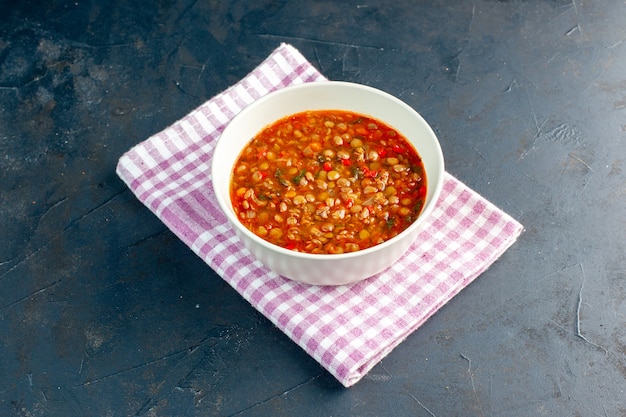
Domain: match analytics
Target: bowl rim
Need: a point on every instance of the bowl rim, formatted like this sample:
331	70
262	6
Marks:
226	206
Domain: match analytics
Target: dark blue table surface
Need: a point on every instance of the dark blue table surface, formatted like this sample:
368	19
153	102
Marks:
104	312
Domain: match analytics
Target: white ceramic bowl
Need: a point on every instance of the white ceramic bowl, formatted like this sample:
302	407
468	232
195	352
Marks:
323	269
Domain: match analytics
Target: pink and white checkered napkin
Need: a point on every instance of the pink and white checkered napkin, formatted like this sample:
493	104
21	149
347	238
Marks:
347	329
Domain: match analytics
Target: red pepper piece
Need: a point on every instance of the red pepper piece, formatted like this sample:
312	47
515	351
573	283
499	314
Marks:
367	173
327	166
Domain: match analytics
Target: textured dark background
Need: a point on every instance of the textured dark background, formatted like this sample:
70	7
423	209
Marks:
103	312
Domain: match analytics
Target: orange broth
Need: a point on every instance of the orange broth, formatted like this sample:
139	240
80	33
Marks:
328	181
